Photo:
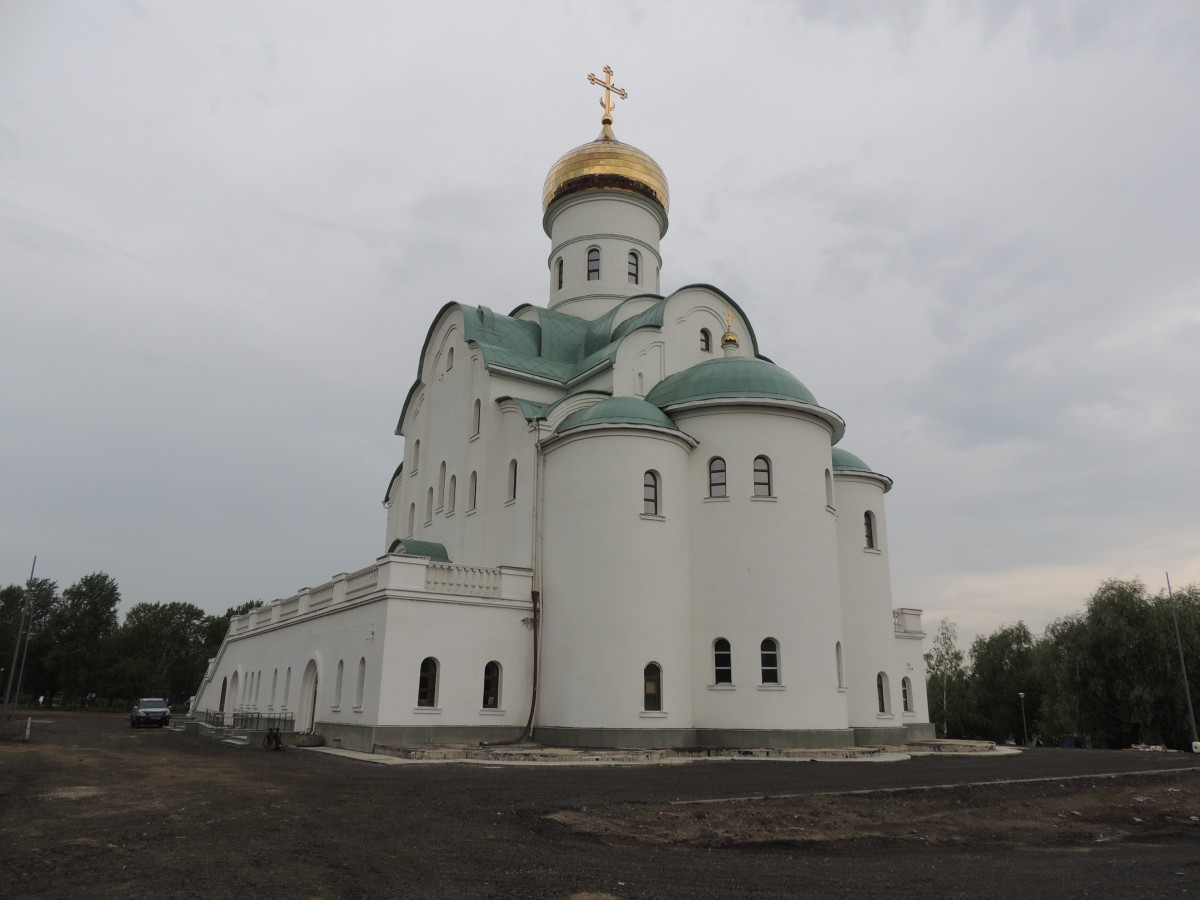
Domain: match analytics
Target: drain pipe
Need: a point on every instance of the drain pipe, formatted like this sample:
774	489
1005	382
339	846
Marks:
535	595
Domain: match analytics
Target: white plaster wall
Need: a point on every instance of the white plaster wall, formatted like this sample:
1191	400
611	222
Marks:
615	222
348	634
764	568
440	417
659	353
615	583
910	661
463	638
867	601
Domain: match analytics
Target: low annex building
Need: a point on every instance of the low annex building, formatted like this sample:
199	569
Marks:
616	523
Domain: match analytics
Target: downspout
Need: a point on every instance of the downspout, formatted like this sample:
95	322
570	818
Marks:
535	595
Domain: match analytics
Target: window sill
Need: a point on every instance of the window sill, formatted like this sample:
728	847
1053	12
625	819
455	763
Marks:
427	710
357	710
473	437
470	512
772	687
716	499
337	707
427	522
769	498
450	514
873	550
884	716
493	712
439	509
646	714
841	689
725	686
830	509
510	502
910	714
649	518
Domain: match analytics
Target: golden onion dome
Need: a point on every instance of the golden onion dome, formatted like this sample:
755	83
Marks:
606	164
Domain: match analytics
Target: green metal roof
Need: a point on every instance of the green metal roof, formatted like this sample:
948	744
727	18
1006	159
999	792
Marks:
617	411
555	346
730	377
845	461
431	549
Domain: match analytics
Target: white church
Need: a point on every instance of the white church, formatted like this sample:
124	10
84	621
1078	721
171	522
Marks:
616	524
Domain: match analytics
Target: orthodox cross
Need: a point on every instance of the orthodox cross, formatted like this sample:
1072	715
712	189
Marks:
609	90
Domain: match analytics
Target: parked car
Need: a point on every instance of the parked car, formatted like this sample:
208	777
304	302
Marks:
150	711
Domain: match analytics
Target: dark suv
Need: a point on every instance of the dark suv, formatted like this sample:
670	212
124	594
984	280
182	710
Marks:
150	711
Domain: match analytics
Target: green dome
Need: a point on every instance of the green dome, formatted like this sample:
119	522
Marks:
617	411
730	376
845	461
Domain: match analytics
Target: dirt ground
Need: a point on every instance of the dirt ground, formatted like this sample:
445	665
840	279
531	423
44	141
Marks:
91	808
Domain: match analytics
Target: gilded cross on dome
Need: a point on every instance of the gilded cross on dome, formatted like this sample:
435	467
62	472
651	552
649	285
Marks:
609	90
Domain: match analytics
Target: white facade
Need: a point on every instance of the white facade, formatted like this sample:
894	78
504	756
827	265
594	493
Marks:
618	487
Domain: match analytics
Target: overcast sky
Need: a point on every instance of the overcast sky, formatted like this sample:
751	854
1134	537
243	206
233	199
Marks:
972	229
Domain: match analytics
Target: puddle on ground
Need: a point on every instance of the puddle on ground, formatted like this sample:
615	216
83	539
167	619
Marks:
73	793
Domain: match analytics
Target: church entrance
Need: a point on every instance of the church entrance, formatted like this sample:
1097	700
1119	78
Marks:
307	713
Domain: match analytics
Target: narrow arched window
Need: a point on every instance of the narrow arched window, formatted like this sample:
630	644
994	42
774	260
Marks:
837	652
716	477
633	267
652	688
287	687
472	489
361	682
722	662
449	359
770	661
650	494
427	683
491	685
416	455
558	267
450	495
869	529
762	476
593	270
512	479
475	419
828	489
337	685
429	507
906	694
882	692
274	684
441	494
705	340
412	519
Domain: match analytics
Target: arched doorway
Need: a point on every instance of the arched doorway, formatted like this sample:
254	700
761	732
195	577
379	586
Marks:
233	698
306	715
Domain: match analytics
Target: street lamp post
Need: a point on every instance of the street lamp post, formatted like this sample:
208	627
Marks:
1024	728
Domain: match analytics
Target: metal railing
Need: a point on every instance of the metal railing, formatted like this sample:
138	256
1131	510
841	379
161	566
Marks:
250	721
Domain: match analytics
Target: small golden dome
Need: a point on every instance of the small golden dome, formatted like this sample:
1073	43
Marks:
606	164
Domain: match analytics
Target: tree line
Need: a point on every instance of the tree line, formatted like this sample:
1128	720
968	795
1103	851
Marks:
1108	676
81	653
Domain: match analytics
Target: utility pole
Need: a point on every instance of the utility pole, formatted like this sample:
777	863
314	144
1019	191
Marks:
1024	727
17	648
1187	691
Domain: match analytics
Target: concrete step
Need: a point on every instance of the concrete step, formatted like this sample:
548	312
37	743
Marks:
236	740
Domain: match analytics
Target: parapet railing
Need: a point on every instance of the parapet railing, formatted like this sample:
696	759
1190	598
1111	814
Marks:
252	721
393	573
